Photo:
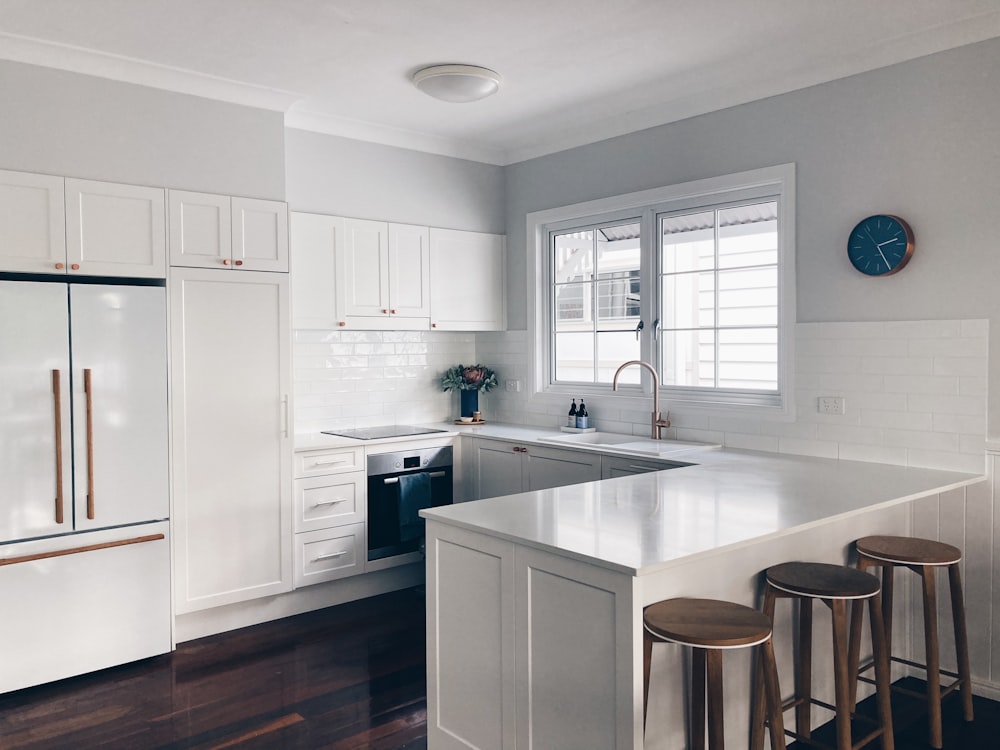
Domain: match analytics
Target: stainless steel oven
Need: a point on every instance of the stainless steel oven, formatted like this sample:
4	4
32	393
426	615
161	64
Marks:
400	484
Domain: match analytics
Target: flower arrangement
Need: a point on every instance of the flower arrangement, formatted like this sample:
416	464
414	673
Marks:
471	378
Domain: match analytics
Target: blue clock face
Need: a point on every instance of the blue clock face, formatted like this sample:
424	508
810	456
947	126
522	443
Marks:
880	245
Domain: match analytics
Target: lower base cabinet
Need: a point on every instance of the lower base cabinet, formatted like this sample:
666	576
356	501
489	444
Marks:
329	554
504	468
84	602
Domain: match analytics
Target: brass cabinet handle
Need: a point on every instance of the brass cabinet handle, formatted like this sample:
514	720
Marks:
89	391
226	262
75	266
77	550
393	312
57	399
60	266
239	263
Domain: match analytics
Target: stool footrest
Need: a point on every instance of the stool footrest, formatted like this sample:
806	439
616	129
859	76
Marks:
814	743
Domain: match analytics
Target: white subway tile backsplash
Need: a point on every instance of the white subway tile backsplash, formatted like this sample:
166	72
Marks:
879	454
899	366
947	404
916	329
947	347
898	420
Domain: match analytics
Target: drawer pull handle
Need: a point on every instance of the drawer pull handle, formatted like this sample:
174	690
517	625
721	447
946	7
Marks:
331	463
78	550
640	467
330	556
320	503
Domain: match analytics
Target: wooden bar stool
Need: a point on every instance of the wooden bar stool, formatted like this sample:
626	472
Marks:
709	627
924	557
834	585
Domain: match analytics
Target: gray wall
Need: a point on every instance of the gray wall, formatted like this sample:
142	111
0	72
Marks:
920	139
331	175
63	123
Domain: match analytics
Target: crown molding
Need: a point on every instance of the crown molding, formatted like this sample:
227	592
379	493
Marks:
318	122
130	70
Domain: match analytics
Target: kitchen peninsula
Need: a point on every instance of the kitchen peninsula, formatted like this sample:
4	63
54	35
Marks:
535	599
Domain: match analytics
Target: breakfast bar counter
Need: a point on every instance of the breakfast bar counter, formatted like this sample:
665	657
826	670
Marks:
535	600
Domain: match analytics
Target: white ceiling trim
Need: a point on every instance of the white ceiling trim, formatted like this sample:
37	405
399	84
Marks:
130	70
358	130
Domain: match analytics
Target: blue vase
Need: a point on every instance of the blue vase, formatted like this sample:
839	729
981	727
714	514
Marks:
470	402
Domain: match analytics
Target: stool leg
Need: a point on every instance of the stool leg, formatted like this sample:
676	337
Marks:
854	648
961	639
842	689
647	659
769	668
882	678
698	669
716	713
888	577
932	656
758	700
803	669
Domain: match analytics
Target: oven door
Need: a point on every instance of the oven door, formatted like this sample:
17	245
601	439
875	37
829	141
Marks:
389	535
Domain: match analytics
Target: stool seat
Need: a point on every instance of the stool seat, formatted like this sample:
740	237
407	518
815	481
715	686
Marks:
909	550
706	623
822	580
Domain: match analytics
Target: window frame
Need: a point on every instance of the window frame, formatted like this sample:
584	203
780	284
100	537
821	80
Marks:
777	182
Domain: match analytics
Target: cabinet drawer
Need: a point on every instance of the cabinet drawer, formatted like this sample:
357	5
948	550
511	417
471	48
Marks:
329	461
329	554
334	500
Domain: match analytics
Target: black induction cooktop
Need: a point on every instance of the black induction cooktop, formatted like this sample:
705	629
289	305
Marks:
385	431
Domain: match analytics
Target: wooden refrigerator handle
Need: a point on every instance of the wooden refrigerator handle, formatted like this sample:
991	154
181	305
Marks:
57	401
88	390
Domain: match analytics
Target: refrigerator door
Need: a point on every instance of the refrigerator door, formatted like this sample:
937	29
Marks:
35	460
119	359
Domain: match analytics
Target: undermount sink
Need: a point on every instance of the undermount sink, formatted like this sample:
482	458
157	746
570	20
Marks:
629	443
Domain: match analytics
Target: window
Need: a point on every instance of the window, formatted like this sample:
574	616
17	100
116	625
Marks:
696	279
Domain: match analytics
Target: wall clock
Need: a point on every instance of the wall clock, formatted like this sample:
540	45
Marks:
880	245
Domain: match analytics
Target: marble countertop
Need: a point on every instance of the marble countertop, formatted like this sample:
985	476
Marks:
641	524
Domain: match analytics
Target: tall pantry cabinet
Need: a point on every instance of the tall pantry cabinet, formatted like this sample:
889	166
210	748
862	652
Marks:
230	341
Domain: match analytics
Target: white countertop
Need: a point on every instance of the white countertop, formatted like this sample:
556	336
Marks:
643	523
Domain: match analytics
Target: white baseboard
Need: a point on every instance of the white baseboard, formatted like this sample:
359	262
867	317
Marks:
221	619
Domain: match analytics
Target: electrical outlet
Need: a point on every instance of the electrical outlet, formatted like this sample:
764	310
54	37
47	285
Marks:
831	405
512	385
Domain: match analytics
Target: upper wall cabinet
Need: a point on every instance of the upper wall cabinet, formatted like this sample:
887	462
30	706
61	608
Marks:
67	226
356	274
467	281
32	223
115	230
216	231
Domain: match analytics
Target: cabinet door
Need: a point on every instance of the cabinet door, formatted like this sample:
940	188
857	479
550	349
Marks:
314	239
466	281
115	230
548	467
260	235
32	223
230	378
498	470
409	267
200	230
35	447
119	345
621	466
363	270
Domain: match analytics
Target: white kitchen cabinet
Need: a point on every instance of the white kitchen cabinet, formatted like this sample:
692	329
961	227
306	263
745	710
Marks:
466	281
114	229
232	483
506	468
216	231
313	239
32	223
382	276
330	511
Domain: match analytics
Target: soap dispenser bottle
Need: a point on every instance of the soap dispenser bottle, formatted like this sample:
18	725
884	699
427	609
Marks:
582	418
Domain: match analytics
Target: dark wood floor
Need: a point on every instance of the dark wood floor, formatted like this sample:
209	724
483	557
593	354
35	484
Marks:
346	677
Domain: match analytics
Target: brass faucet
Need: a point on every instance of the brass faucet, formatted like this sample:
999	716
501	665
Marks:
657	423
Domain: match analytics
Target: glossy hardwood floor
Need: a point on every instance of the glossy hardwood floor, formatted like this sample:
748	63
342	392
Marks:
350	676
345	677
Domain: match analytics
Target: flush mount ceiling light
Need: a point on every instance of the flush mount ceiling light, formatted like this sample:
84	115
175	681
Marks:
457	83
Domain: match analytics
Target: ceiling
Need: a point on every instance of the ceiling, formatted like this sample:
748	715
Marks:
574	71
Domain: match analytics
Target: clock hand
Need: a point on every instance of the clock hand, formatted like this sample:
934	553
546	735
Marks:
887	263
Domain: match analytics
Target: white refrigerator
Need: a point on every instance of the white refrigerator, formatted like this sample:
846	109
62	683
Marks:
84	496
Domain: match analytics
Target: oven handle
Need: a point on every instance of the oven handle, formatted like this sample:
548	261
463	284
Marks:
433	475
